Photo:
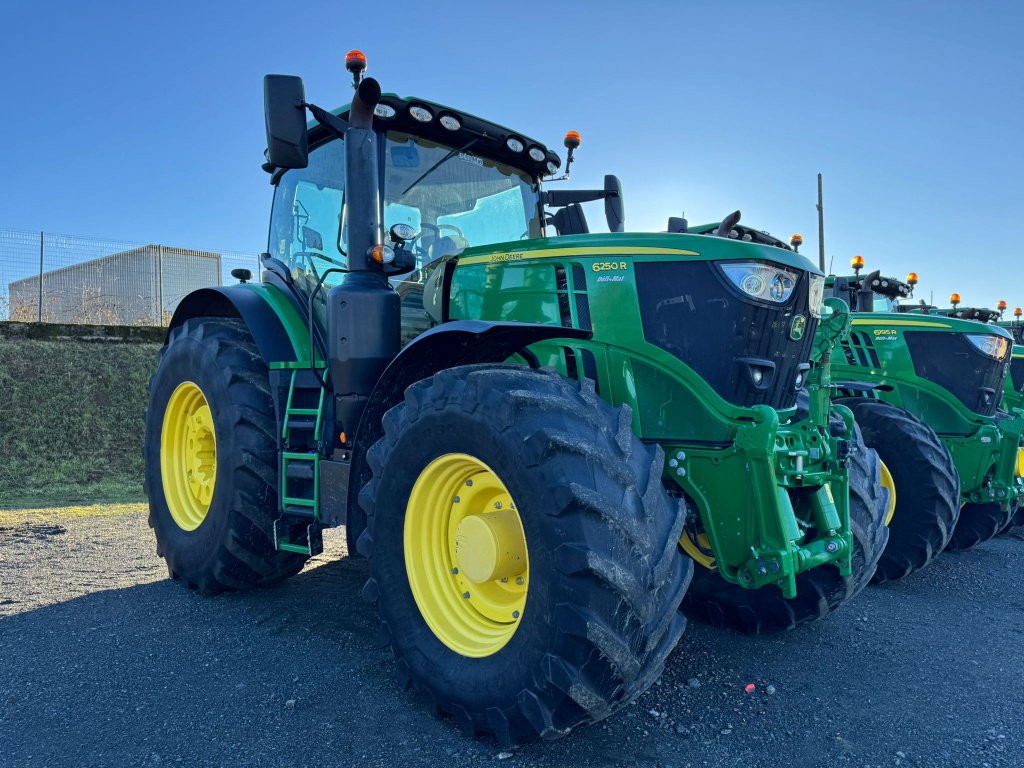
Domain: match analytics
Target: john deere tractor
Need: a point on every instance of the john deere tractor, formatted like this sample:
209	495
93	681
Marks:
949	372
1015	326
1013	388
503	467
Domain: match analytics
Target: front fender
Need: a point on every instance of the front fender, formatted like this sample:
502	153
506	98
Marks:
457	342
277	328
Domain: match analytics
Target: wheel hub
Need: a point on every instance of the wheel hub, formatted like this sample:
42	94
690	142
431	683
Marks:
490	546
465	555
188	456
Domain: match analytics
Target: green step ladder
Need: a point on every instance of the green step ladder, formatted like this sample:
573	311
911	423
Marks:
298	527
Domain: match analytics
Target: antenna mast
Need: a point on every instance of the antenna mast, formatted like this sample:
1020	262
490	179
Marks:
821	228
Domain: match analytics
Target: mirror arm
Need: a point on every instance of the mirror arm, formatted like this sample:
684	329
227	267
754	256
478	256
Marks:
333	123
562	197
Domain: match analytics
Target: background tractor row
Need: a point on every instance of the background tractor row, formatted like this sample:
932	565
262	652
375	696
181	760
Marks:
532	439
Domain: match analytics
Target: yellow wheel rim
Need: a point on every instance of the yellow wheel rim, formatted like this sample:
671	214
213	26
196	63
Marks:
890	485
465	555
698	547
1020	462
188	456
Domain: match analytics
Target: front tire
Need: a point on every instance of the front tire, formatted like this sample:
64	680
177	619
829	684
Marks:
602	575
820	590
211	459
977	524
926	480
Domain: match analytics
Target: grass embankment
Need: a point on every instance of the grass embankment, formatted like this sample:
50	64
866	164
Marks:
71	419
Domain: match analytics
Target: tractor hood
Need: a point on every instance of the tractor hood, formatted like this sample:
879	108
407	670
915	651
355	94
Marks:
669	246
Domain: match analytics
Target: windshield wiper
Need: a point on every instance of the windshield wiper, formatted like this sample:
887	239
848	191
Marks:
436	165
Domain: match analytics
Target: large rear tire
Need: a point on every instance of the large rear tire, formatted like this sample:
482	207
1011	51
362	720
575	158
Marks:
602	577
926	480
820	590
211	459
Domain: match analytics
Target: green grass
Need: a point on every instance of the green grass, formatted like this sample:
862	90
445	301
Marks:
71	424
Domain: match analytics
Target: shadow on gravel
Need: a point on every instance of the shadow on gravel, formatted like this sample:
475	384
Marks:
155	674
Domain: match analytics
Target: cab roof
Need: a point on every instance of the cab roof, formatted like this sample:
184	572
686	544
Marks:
394	112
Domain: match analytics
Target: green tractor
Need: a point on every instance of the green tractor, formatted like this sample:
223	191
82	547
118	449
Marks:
950	372
565	413
1013	388
1015	326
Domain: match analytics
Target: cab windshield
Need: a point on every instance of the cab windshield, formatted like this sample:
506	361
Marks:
454	198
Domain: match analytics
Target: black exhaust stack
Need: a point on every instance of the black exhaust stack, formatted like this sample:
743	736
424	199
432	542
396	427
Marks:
364	312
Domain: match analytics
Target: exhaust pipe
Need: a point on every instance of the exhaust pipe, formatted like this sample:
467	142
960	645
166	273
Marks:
364	312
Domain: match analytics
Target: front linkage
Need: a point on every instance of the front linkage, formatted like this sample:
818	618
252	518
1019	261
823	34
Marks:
757	533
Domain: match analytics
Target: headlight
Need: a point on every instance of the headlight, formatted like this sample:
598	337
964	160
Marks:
993	346
762	281
816	294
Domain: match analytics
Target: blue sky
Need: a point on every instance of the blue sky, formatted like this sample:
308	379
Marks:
143	121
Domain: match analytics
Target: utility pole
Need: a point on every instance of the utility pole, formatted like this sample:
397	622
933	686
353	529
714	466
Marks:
821	228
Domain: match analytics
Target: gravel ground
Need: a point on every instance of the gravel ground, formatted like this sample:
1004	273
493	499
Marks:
104	661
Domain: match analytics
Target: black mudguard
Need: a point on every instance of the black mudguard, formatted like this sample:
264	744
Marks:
238	301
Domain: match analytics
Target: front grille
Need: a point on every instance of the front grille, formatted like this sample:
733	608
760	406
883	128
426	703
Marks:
690	310
952	362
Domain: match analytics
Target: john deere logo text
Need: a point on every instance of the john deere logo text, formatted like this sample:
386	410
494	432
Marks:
796	330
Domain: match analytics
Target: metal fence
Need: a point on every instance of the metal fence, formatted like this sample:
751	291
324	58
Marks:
53	278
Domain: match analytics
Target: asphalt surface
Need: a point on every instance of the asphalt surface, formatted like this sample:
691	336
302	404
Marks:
104	661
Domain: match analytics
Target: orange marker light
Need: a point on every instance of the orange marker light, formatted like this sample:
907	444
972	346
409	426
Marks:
857	262
796	240
1018	312
382	254
954	299
355	61
912	278
1000	305
572	140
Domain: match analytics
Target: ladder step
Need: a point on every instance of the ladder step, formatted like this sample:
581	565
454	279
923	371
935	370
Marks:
299	507
300	470
303	540
303	411
305	423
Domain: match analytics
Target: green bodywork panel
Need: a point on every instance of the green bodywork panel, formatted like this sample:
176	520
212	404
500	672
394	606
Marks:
737	465
983	449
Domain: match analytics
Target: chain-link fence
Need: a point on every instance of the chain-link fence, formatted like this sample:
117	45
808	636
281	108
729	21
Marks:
52	278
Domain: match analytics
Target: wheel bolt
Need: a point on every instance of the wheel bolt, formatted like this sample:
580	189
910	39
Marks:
455	571
519	581
515	614
466	595
469	482
497	505
456	500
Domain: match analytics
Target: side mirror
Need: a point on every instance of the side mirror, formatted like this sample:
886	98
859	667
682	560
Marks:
284	101
613	210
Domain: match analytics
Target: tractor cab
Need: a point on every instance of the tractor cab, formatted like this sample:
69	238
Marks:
872	292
